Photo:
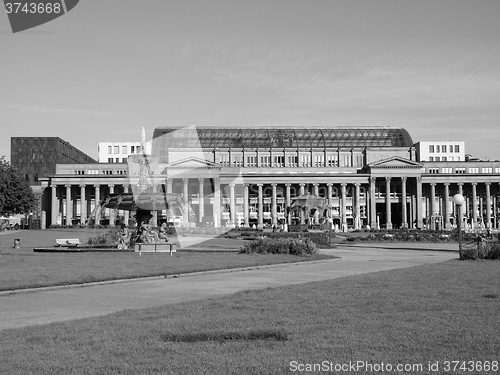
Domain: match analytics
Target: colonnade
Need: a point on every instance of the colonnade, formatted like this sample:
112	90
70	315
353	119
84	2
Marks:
371	202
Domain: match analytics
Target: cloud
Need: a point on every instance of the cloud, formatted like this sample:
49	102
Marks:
46	110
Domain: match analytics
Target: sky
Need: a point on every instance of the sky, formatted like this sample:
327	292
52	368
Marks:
108	68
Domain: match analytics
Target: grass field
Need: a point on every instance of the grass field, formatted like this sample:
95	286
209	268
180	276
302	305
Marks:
23	268
442	312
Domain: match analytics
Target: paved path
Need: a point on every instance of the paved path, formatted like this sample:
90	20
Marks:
54	305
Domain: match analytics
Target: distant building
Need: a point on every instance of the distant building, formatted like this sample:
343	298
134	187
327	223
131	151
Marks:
37	157
440	151
118	152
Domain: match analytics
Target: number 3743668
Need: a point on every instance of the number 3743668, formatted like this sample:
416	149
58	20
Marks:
33	8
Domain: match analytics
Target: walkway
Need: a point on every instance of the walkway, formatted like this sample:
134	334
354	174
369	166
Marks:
55	305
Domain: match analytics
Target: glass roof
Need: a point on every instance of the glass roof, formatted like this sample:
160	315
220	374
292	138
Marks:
272	136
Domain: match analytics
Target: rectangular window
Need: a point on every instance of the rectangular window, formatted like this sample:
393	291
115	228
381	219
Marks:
333	160
487	170
457	148
110	160
132	149
319	160
124	149
224	160
438	158
443	148
124	160
446	170
431	158
110	150
116	149
265	161
305	160
460	170
117	160
431	149
359	160
473	170
347	161
279	161
438	148
444	158
292	160
237	160
251	161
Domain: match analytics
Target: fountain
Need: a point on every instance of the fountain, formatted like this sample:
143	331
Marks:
143	200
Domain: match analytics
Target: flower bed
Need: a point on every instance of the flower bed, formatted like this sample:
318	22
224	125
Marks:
294	246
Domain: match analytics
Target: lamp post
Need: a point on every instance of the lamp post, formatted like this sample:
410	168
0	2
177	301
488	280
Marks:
459	199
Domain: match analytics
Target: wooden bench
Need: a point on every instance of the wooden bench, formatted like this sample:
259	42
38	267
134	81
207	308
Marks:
68	242
162	247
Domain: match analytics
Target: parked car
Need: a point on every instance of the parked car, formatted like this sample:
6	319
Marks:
10	222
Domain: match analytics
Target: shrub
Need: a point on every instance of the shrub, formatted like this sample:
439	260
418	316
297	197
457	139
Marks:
482	250
294	246
107	238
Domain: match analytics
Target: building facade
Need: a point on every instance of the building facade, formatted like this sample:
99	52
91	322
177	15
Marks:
118	152
370	176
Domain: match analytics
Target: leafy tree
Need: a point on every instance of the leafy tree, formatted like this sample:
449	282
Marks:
16	196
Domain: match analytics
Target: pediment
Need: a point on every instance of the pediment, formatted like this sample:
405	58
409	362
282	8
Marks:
395	162
193	162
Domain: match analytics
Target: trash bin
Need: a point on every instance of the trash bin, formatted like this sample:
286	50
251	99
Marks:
17	243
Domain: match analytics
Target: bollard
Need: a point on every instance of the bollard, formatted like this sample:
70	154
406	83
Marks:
17	243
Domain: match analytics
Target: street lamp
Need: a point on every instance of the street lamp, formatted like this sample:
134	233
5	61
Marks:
459	200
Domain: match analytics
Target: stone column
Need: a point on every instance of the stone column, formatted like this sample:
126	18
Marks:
260	208
69	205
344	205
316	213
488	205
201	200
274	203
97	201
246	198
418	203
112	211
232	205
302	192
357	206
373	204
404	213
55	206
126	214
474	203
83	205
216	205
388	221
288	203
447	224
302	188
432	206
185	198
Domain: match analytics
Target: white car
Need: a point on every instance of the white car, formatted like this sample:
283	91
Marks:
11	222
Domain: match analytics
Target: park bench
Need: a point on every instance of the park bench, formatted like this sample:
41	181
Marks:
68	242
162	247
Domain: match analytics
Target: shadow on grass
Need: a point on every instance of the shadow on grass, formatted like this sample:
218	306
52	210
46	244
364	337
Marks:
276	335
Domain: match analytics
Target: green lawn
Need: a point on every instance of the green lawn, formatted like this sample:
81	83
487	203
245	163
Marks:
442	312
23	268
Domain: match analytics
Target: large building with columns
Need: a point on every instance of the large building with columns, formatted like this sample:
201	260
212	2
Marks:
369	176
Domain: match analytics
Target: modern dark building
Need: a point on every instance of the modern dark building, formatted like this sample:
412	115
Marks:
37	157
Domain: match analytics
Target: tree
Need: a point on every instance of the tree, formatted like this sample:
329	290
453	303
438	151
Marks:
16	196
